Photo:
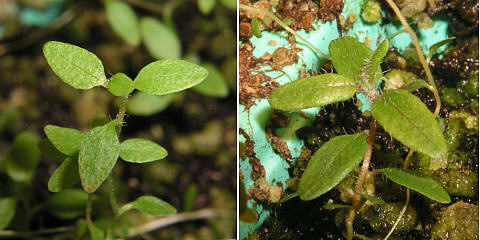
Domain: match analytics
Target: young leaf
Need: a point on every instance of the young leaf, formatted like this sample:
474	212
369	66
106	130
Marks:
76	66
161	41
98	153
23	156
256	27
168	76
314	91
330	206
100	120
96	233
409	121
419	183
348	56
150	205
7	211
65	176
206	6
66	140
123	20
231	4
47	149
331	164
144	104
139	150
373	199
214	85
68	204
375	71
120	85
415	85
432	49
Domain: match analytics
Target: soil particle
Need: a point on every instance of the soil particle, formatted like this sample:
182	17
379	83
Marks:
301	11
265	192
245	29
278	120
330	9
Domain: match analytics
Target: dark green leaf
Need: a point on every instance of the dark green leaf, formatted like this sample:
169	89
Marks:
76	66
160	40
373	199
330	206
98	154
189	197
256	27
120	85
96	233
214	85
314	91
8	119
47	149
80	229
150	205
231	4
7	211
415	85
144	104
65	176
331	164
417	182
432	49
66	140
68	204
408	120
123	20
168	76
206	6
139	150
100	120
23	156
348	56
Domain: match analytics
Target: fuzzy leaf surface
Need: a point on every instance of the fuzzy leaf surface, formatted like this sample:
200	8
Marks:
120	85
349	55
214	85
7	211
98	154
160	41
144	104
65	176
138	150
76	66
150	205
66	140
375	71
168	76
123	21
408	120
330	164
314	91
420	183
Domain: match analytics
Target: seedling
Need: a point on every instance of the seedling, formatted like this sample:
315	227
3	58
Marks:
90	157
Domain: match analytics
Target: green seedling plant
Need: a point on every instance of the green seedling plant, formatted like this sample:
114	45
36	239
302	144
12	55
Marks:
401	114
90	157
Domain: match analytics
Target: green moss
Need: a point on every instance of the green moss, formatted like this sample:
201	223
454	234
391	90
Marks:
371	11
458	221
382	217
452	97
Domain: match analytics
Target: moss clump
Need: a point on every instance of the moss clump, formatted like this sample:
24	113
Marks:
458	221
382	217
371	11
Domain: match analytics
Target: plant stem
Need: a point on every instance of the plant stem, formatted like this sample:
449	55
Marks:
88	210
111	195
282	24
421	58
121	113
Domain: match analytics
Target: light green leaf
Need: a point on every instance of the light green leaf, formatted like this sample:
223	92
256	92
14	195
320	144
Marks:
231	4
206	6
120	85
432	49
68	204
331	164
314	91
96	233
7	211
348	56
144	104
161	41
65	176
23	156
330	206
123	21
417	182
150	205
408	120
373	199
99	120
76	66
47	149
256	27
168	76
98	154
138	150
66	140
375	71
214	85
415	85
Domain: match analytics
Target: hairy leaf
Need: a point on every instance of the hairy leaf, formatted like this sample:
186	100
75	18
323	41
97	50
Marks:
348	56
65	176
140	150
76	66
120	85
314	91
23	156
331	164
214	85
420	183
98	154
168	76
7	211
161	41
150	205
375	71
409	121
123	21
66	140
144	104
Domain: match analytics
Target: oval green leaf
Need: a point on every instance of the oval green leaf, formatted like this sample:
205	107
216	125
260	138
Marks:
161	41
214	85
76	66
23	156
408	120
123	21
65	176
348	56
138	150
150	205
65	140
98	154
417	182
7	211
96	233
99	120
206	6
314	91
48	150
256	27
331	164
120	85
168	76
144	104
68	204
